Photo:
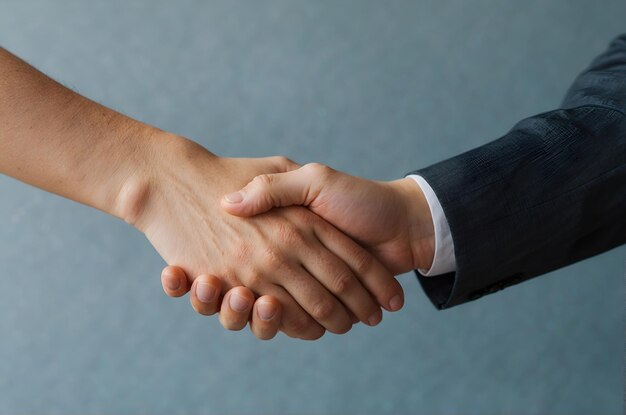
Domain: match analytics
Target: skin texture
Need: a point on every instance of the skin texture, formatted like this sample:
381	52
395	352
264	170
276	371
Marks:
170	189
285	253
391	219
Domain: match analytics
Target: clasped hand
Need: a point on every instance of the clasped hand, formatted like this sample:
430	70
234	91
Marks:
324	265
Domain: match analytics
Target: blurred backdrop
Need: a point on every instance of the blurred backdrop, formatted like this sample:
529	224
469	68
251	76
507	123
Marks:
373	88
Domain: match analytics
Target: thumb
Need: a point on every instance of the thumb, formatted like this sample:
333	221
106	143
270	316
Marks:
267	191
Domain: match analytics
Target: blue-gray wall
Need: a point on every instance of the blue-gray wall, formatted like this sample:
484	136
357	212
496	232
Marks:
374	88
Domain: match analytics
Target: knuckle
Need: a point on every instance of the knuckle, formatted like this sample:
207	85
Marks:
288	234
317	168
323	310
263	181
363	261
342	282
324	172
304	217
272	259
255	279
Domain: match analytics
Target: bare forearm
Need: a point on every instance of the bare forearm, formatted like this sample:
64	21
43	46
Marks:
57	140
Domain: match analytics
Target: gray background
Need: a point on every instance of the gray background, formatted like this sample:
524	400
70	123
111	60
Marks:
373	88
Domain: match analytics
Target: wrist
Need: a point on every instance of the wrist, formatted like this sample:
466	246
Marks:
419	222
155	161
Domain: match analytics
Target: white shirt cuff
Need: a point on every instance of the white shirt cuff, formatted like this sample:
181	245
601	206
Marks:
444	260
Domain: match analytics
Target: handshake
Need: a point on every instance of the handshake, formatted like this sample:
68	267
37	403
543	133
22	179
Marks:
305	249
301	249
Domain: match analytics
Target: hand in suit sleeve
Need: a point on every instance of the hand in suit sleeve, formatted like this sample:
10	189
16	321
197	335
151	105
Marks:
550	192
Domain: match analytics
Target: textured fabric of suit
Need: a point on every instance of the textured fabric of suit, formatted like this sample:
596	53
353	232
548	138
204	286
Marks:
550	192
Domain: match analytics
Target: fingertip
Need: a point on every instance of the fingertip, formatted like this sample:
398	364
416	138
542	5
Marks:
396	302
174	281
236	307
172	270
396	299
375	318
212	282
266	317
241	299
314	335
268	308
205	294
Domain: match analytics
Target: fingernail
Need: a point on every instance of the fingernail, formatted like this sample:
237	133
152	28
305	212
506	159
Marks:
205	292
375	318
236	197
238	303
266	311
172	283
395	303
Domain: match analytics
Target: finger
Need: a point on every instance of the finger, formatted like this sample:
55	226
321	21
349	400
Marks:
294	322
236	308
266	315
174	281
205	294
339	279
271	190
373	275
314	298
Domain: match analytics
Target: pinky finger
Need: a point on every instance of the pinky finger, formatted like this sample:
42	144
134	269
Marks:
266	317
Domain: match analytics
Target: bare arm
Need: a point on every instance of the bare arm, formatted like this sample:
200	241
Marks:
57	140
169	188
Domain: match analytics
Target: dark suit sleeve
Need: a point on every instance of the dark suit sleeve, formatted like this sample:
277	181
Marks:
551	192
